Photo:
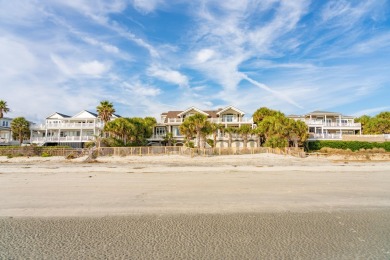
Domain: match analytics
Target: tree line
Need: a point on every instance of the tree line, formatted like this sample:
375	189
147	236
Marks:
378	124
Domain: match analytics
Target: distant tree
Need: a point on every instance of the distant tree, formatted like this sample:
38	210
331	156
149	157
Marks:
3	108
363	120
230	131
105	110
245	131
188	130
20	128
214	127
383	115
262	113
379	124
198	121
297	132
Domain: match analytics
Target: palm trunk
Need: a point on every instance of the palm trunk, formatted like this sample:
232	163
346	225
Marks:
198	137
215	140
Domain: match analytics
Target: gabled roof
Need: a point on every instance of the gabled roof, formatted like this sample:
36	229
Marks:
192	108
85	114
317	112
59	115
230	107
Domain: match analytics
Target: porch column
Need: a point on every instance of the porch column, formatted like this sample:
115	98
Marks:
45	134
341	131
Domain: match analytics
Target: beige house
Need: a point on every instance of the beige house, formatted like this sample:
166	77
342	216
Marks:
228	117
323	125
61	129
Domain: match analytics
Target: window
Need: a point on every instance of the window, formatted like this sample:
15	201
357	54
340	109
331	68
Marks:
175	131
228	118
160	130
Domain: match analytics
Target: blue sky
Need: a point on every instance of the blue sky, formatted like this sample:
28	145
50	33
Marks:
152	56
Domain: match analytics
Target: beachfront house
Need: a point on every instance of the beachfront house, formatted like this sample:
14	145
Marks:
61	129
228	117
6	133
323	125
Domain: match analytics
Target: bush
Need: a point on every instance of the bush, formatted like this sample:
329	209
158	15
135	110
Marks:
45	154
353	145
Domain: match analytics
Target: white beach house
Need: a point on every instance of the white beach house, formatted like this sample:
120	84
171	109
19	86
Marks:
6	133
323	125
229	117
61	129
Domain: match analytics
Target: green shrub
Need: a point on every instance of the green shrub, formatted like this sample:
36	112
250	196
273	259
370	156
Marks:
353	145
45	154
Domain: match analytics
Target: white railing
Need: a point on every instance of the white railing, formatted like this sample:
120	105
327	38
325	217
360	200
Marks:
62	139
175	120
331	124
67	126
325	136
157	137
216	120
234	120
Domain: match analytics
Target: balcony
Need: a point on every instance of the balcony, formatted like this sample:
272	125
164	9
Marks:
231	121
67	126
325	136
332	124
216	120
57	139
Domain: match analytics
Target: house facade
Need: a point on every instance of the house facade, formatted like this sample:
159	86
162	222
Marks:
61	129
323	125
5	132
228	117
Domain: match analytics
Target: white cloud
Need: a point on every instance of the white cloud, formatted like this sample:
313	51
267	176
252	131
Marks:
146	6
72	68
93	68
140	90
204	55
168	75
105	46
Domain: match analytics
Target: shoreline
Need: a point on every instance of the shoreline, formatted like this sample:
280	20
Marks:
289	235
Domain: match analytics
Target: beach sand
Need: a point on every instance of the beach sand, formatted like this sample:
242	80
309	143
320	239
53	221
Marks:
175	207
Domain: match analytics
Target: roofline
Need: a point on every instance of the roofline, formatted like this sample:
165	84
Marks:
231	107
194	108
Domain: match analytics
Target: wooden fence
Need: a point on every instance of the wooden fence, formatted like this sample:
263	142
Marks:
147	151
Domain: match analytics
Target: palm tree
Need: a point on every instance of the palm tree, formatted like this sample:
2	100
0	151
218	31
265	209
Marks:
20	128
3	108
245	130
260	135
204	132
105	110
297	132
198	121
188	130
230	131
214	127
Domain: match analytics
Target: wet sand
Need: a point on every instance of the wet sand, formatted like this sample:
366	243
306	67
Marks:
228	207
315	235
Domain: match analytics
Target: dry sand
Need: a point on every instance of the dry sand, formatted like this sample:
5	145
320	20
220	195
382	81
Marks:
165	207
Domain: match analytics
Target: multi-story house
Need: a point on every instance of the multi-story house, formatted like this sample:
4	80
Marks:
228	117
74	131
5	132
329	125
